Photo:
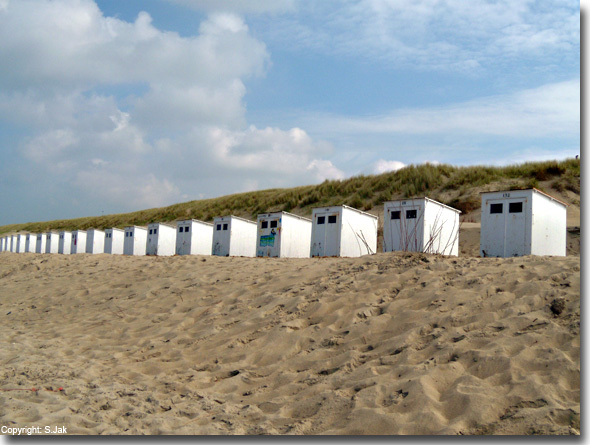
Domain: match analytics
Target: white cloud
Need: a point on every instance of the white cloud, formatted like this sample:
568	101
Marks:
99	162
323	169
456	35
383	166
238	6
70	44
50	146
173	108
549	110
538	154
63	66
273	151
114	186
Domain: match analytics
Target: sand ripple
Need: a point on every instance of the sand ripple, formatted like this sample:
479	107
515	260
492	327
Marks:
385	344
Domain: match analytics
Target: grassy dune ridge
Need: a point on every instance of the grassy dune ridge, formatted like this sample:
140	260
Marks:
456	186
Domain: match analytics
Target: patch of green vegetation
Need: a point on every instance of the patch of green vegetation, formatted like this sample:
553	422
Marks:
365	192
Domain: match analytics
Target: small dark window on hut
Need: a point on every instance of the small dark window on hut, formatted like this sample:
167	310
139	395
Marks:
274	224
496	208
397	214
187	229
218	226
225	227
321	219
264	225
515	207
411	214
332	219
181	229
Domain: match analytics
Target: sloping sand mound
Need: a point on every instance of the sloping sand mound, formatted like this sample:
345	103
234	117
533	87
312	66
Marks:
384	344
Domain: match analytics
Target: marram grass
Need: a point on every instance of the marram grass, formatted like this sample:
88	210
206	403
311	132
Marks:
455	186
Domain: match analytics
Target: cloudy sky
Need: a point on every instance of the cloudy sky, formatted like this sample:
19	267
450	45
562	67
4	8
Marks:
109	106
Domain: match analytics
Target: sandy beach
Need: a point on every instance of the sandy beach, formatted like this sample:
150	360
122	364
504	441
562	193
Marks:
392	343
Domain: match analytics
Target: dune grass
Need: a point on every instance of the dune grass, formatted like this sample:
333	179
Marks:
455	186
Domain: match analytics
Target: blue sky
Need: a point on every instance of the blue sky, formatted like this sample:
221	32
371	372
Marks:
111	106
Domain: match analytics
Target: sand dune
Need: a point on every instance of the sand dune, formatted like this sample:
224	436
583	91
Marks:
384	344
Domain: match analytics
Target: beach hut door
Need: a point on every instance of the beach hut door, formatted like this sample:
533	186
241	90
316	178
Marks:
152	244
495	227
333	228
270	237
514	244
406	224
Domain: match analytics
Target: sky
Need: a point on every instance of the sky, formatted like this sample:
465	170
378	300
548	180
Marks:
110	106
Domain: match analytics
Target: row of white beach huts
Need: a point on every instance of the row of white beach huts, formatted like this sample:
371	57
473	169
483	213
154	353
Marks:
513	223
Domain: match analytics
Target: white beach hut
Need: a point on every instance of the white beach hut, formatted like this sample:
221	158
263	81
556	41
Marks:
20	243
193	237
283	235
114	240
161	240
65	242
420	225
522	222
343	231
31	242
233	236
41	243
95	241
52	242
78	241
2	244
13	243
135	240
